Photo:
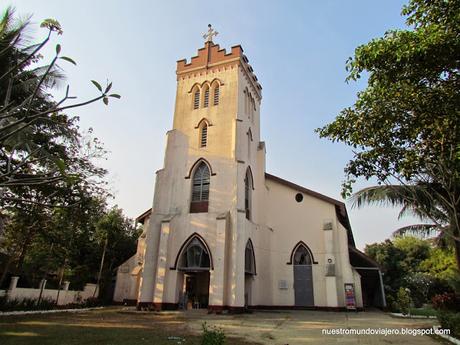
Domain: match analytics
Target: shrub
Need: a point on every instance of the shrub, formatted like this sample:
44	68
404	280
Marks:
91	302
450	320
446	301
403	300
25	304
419	285
212	336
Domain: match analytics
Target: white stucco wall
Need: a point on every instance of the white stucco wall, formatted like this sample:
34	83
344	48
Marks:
277	223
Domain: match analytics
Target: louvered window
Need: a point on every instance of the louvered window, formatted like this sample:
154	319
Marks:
200	189
206	98
216	95
196	99
204	136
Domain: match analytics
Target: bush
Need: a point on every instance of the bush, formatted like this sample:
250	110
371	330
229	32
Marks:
419	285
212	336
91	303
25	304
447	302
403	300
450	320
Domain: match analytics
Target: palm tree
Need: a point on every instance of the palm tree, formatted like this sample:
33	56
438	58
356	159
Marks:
427	201
19	79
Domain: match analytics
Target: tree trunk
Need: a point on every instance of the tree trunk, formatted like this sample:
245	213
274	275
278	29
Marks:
100	269
6	270
457	253
22	255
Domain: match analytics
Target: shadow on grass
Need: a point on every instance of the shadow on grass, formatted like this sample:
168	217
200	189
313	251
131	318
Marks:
108	328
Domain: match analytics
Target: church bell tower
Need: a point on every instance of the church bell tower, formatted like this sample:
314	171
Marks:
205	196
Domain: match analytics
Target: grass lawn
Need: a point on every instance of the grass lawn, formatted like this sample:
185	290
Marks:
425	311
109	326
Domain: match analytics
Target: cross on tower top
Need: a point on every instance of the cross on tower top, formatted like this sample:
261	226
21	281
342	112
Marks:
210	34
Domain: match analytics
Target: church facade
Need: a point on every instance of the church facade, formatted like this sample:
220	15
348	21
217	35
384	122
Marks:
223	233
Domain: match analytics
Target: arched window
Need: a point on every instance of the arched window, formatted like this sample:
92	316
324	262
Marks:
249	134
206	97
246	101
196	99
248	194
200	189
204	134
302	256
216	95
249	259
195	257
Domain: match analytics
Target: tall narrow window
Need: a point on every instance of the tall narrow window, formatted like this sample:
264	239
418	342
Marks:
204	135
249	262
196	99
249	134
247	194
246	102
216	95
206	98
200	189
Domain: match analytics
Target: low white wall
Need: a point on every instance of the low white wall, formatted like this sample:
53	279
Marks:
65	296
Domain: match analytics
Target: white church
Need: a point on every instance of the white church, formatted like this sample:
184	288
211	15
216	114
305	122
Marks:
224	234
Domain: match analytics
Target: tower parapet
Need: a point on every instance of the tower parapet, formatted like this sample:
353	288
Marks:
211	57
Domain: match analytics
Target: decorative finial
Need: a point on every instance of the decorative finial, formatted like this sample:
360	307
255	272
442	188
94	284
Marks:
210	34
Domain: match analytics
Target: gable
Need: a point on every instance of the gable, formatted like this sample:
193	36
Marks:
340	208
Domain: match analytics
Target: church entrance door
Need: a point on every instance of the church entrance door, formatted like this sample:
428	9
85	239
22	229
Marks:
195	264
303	286
196	290
303	278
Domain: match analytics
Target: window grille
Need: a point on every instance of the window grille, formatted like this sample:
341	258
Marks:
201	180
196	100
204	136
216	95
206	98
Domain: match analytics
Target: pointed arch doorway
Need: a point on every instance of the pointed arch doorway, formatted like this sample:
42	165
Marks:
194	262
303	276
249	272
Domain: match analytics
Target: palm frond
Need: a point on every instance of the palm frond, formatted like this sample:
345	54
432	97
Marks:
422	230
392	195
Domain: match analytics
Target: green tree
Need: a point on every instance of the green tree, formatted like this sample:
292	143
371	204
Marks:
416	264
440	264
41	153
415	251
390	259
117	237
51	193
404	128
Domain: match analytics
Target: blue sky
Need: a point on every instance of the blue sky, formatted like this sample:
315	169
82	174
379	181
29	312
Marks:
298	51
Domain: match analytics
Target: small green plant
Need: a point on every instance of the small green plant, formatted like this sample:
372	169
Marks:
403	300
450	320
212	336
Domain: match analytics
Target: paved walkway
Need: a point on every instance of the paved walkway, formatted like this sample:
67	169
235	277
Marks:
305	327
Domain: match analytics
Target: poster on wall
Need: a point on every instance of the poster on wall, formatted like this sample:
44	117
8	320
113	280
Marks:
350	300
